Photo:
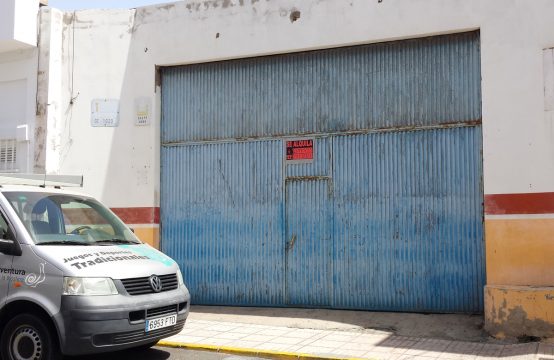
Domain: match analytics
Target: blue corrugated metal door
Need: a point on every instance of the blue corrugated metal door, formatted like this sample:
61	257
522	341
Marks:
309	246
387	216
222	220
408	211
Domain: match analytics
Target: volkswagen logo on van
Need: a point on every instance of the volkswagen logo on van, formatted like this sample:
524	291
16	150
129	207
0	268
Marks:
155	283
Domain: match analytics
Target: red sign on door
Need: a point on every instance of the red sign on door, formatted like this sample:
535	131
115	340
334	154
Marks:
300	149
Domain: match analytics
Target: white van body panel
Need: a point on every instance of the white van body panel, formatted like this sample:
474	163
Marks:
146	284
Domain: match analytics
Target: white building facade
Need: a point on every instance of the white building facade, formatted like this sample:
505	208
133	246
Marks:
98	108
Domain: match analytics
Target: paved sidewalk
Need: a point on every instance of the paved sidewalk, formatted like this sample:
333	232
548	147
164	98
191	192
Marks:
243	335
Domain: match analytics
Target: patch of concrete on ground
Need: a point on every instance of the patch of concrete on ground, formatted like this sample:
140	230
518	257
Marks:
441	326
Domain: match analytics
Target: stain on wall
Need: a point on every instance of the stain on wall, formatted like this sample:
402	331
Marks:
518	311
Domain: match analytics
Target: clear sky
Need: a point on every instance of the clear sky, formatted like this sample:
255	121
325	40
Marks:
101	4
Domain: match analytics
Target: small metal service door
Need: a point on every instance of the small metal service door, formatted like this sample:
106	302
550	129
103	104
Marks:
308	246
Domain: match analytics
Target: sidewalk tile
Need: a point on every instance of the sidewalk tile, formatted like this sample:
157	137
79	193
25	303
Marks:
353	343
398	350
369	339
311	340
221	328
287	340
190	338
258	338
328	343
188	330
246	344
349	353
456	356
273	332
315	350
340	336
464	348
491	350
295	348
520	349
245	330
413	357
231	335
380	349
197	326
361	347
546	349
198	322
306	334
374	355
273	346
217	341
205	333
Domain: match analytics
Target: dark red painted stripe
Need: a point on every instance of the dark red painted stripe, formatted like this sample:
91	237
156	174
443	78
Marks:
495	204
138	215
530	203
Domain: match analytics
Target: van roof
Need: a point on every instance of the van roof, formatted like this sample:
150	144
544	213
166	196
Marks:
40	189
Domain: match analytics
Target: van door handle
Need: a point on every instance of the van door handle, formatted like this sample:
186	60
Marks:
292	241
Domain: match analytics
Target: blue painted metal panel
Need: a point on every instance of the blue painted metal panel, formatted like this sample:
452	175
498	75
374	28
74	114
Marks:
403	208
408	231
309	247
222	220
420	82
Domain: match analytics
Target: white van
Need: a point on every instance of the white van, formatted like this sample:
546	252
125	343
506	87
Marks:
74	279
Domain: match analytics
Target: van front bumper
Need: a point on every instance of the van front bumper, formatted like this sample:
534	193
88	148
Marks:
95	324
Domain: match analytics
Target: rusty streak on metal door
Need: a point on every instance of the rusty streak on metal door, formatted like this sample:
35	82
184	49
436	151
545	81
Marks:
309	244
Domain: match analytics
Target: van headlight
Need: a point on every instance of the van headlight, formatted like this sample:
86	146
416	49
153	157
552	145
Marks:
180	277
88	286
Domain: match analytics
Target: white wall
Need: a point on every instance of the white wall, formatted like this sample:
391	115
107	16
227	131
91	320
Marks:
115	53
7	18
18	80
18	76
18	24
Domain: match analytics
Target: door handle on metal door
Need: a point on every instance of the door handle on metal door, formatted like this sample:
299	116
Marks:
292	241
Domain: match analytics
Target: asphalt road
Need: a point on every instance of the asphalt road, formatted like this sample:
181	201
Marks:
163	353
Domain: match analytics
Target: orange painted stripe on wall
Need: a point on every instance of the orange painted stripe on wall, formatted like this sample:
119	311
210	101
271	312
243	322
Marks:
511	204
519	252
138	215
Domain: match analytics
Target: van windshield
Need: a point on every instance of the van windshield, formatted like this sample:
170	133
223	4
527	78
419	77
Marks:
58	219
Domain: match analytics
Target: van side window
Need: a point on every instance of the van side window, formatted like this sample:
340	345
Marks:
4	228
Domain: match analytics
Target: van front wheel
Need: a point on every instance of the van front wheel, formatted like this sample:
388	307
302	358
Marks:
27	337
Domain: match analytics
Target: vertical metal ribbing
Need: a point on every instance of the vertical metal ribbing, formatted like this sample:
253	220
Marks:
221	221
408	210
403	209
420	82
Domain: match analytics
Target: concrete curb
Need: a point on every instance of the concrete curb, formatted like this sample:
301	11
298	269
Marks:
282	355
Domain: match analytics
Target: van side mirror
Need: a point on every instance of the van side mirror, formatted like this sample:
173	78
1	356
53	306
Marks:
9	246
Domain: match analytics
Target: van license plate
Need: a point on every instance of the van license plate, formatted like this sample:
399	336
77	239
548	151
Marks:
161	322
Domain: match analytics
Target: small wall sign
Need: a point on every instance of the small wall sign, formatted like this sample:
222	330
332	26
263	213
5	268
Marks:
104	113
299	150
143	111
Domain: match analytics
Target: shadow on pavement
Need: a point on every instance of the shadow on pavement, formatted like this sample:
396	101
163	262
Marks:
437	326
135	354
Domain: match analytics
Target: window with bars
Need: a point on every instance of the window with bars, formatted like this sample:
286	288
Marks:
8	155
